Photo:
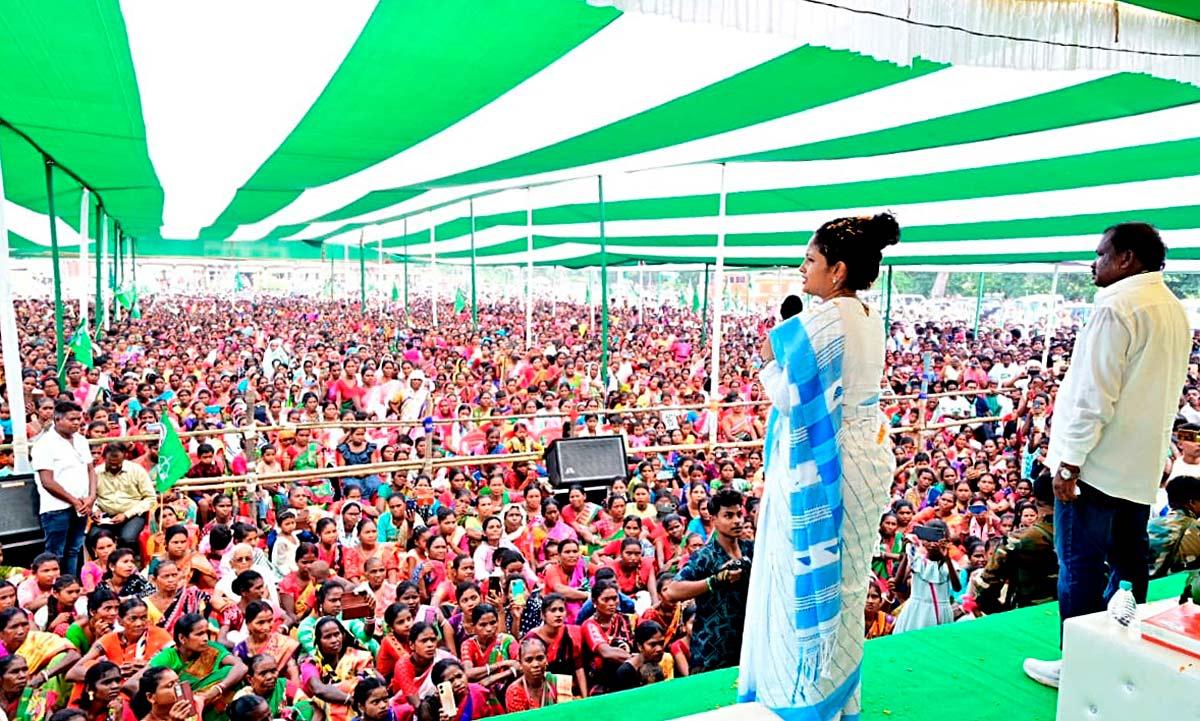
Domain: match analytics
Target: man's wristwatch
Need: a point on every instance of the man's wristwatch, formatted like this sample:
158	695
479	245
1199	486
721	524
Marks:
1065	473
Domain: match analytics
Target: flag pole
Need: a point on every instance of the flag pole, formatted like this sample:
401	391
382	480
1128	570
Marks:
603	288
704	311
59	341
10	347
406	267
718	306
474	296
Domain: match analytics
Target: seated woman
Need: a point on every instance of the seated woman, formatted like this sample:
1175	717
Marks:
264	637
210	669
413	673
490	657
373	702
129	648
284	697
607	637
295	587
249	587
649	663
123	578
564	649
536	687
173	597
336	665
48	656
329	603
394	646
154	698
471	701
101	698
61	607
103	607
14	679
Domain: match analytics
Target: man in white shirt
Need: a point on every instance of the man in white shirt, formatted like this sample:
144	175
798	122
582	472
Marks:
1112	425
66	484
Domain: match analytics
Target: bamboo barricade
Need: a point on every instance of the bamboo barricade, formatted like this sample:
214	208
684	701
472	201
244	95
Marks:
253	480
320	425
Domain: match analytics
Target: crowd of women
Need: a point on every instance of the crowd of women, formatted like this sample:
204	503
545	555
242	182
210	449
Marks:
464	589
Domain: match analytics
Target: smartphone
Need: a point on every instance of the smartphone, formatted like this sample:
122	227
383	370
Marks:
184	692
564	687
446	696
931	534
518	592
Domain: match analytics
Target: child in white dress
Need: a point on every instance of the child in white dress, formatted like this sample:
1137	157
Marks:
933	577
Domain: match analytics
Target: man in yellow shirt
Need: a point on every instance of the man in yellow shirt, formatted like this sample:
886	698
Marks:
124	496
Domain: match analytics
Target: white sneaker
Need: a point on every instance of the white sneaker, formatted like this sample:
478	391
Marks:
1044	672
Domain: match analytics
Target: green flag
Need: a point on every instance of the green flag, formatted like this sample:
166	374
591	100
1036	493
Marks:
126	297
237	282
81	346
136	312
695	299
460	301
395	292
173	461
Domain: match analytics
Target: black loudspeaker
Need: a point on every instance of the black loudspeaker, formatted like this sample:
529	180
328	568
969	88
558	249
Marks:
587	461
20	526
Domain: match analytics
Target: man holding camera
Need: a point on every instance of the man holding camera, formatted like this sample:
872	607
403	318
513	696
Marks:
1112	425
718	577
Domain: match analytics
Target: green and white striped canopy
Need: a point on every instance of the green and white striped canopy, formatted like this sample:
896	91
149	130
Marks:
267	129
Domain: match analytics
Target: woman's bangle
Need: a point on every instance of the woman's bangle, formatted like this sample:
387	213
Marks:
488	670
708	583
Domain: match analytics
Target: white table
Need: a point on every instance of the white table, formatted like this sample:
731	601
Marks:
1109	675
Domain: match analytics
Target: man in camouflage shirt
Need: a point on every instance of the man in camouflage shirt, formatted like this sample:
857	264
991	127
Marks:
1175	538
1026	565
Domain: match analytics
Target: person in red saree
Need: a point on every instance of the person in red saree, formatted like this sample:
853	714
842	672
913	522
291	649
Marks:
490	657
568	577
607	638
564	643
413	676
536	688
471	700
394	647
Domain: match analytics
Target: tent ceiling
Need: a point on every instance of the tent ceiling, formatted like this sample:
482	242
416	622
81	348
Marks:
382	119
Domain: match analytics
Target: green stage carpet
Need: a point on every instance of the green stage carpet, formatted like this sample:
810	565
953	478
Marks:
966	671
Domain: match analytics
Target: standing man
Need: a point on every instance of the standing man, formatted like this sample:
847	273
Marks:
124	496
66	484
1112	424
718	577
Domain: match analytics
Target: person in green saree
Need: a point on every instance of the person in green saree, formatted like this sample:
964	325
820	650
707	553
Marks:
211	670
284	698
103	607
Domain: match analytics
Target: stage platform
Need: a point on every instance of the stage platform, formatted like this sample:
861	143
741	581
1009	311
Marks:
967	671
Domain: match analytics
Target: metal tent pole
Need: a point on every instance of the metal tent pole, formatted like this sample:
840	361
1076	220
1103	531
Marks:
362	272
887	308
603	288
433	272
474	294
704	311
718	308
1052	325
101	236
406	267
529	268
10	347
85	215
60	348
978	303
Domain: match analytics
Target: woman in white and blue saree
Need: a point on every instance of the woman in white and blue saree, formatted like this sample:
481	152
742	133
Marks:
828	469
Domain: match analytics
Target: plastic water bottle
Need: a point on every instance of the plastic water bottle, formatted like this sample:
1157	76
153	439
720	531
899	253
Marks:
1122	607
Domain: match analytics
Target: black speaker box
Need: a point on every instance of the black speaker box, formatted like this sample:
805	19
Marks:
590	461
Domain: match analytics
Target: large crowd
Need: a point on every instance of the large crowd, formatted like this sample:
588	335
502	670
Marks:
468	586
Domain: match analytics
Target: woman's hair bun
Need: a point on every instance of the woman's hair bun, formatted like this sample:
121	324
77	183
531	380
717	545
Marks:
883	230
